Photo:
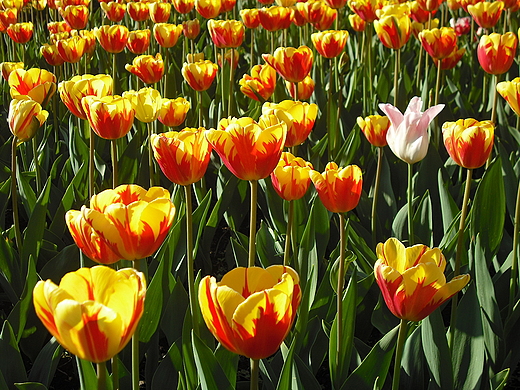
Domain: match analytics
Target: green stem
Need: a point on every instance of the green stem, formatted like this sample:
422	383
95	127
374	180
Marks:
114	71
514	264
115	373
495	101
150	154
36	166
90	163
231	69
252	223
189	250
113	144
396	75
341	281
410	205
401	338
255	366
290	217
101	376
199	95
376	194
14	197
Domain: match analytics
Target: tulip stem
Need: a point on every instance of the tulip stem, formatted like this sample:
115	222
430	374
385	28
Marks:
231	68
458	254
252	223
114	71
514	264
36	166
14	197
90	163
288	234
410	205
255	365
199	95
189	251
376	194
341	281
101	376
115	373
396	75
401	338
150	154
113	144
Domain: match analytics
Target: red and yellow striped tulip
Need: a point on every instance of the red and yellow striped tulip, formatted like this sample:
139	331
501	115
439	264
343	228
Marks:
37	84
366	9
148	68
439	42
200	74
76	16
51	54
419	14
75	89
93	312
146	102
160	12
25	118
7	67
138	41
173	111
496	52
452	60
71	49
318	13
183	156
357	23
305	88
510	90
291	178
231	58
486	14
260	84
250	17
20	32
338	188
226	33
90	41
393	30
183	6
138	11
58	27
251	310
111	117
298	116
167	34
112	38
191	28
8	16
250	150
330	43
208	9
114	11
468	141
227	5
374	127
293	64
127	223
412	279
275	18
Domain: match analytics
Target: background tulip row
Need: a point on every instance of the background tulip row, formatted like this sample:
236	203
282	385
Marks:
92	173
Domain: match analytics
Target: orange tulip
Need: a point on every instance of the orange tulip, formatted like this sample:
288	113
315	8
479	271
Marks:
71	49
366	9
338	188
183	6
291	178
75	89
160	12
148	68
183	156
336	4
138	41
275	18
297	17
374	127
94	312
330	43
412	279
318	13
173	111
54	38
25	118
452	60
393	30
191	28
199	75
226	33
7	67
468	141
496	52
250	17
430	5
227	5
357	23
510	91
291	63
167	34
486	14
249	149
58	27
305	88
251	310
111	117
127	222
439	42
37	84
138	11
76	16
112	38
466	3
298	116
8	16
260	84
20	32
114	11
208	9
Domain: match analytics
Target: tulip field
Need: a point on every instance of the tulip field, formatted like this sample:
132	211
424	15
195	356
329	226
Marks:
223	194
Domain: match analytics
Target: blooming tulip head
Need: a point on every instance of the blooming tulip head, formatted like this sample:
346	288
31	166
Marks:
127	222
208	9
393	30
71	49
304	88
148	68
93	312
37	84
275	18
200	74
357	23
183	156
330	43
51	54
408	134
111	117
8	16
468	141
146	102
76	16
226	33
293	64
338	188
138	41
20	32
112	38
366	9
291	178
138	11
486	14
374	127
510	90
25	118
451	61
173	111
250	17
496	52
260	84
439	42
412	279
191	28
160	12
251	310
167	34
249	149
7	67
183	6
58	27
114	11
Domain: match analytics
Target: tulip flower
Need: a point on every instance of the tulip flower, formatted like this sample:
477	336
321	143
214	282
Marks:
393	30
419	14
183	156
138	11
439	42
227	5
183	6
7	67
71	49
318	13
114	11
250	17
191	28
56	37
451	61
251	310
291	178
148	68
339	189
374	127
58	27
51	54
146	102
357	23
430	5
330	43
25	117
112	38
173	111
8	16
412	279
167	34
275	18
199	75
250	150
127	222
138	41
305	88
298	19
37	84
496	52
366	9
160	12
510	91
260	84
468	141
93	312
208	9
408	134
486	14
231	57
20	32
76	16
72	91
293	64
226	33
462	26
298	116
111	117
336	4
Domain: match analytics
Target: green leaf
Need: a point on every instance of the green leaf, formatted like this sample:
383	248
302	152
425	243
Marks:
499	381
167	372
12	280
229	363
11	363
46	363
87	374
286	377
209	370
413	363
30	386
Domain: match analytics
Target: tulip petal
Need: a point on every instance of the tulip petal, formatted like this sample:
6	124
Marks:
247	281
